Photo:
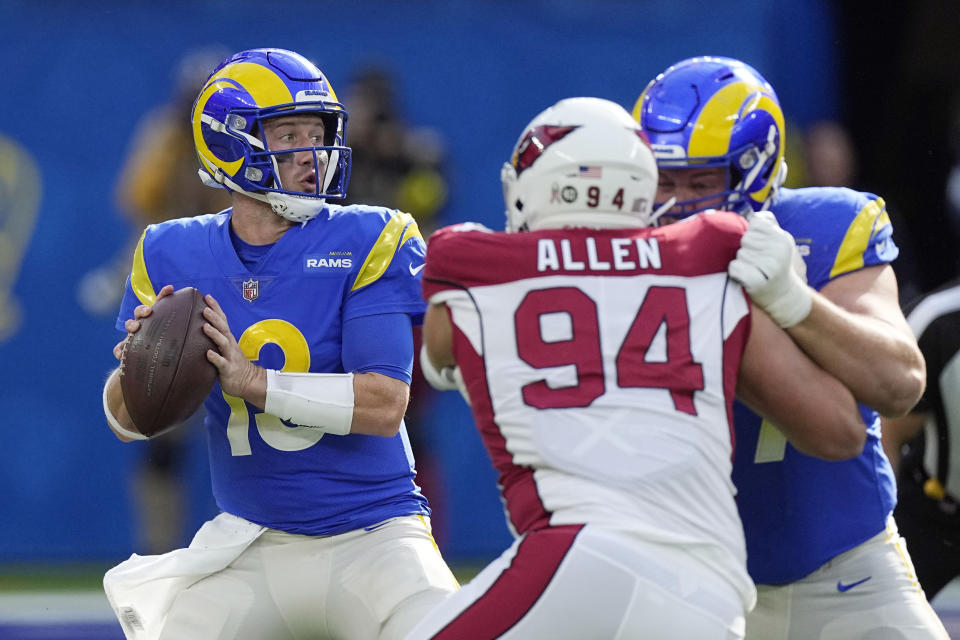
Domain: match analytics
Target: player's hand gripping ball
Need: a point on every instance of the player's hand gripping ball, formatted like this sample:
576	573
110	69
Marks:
164	372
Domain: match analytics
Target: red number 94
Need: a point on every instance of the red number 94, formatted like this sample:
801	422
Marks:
679	374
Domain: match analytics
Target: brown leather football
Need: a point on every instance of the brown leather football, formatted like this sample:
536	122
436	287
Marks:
164	372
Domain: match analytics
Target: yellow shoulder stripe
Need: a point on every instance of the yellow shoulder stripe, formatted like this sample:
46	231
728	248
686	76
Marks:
400	228
139	278
871	219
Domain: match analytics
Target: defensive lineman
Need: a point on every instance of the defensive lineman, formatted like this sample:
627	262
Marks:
600	358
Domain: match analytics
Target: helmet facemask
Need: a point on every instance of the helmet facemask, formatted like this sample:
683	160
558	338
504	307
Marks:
331	164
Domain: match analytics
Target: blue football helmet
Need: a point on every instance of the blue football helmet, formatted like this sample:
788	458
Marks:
717	112
252	86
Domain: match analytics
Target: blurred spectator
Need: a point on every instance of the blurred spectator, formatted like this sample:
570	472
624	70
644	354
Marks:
826	156
20	185
159	179
158	182
899	101
831	160
394	165
400	166
823	155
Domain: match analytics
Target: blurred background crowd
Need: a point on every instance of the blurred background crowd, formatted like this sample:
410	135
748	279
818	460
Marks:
94	145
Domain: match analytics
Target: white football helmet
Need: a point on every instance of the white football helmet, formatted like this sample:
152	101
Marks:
581	163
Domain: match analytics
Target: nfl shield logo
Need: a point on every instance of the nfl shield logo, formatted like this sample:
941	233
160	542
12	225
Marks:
251	289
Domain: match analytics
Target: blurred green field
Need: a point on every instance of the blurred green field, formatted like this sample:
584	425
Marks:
51	577
19	578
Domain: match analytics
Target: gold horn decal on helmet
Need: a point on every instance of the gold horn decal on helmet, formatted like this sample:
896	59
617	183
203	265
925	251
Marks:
210	161
263	85
725	109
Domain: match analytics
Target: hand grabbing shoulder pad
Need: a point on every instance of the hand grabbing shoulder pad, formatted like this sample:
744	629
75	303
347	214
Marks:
767	267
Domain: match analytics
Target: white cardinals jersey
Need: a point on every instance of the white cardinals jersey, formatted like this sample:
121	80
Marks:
601	369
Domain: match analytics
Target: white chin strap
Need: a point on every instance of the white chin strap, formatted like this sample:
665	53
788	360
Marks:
293	208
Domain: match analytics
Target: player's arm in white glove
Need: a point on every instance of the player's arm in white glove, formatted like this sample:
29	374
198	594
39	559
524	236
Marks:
853	328
444	378
772	271
436	355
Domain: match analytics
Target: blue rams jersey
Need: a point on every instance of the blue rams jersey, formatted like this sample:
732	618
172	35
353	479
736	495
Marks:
798	512
287	314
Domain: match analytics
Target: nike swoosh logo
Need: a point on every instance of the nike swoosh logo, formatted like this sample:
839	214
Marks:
846	587
415	271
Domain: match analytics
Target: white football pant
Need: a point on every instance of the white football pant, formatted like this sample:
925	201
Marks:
868	593
360	585
580	582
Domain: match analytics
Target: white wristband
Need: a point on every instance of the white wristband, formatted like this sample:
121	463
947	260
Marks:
320	400
112	420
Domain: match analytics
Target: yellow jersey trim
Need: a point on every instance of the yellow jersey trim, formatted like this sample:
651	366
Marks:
871	219
400	228
139	278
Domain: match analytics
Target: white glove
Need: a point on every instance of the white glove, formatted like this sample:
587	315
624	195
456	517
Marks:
445	379
770	268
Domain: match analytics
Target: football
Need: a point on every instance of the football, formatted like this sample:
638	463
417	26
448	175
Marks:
164	372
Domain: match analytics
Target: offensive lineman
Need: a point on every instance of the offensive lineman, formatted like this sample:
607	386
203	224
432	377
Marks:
821	542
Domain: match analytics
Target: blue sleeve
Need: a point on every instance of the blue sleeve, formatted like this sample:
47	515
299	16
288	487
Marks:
382	343
127	305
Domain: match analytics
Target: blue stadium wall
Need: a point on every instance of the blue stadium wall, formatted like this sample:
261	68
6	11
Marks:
77	75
